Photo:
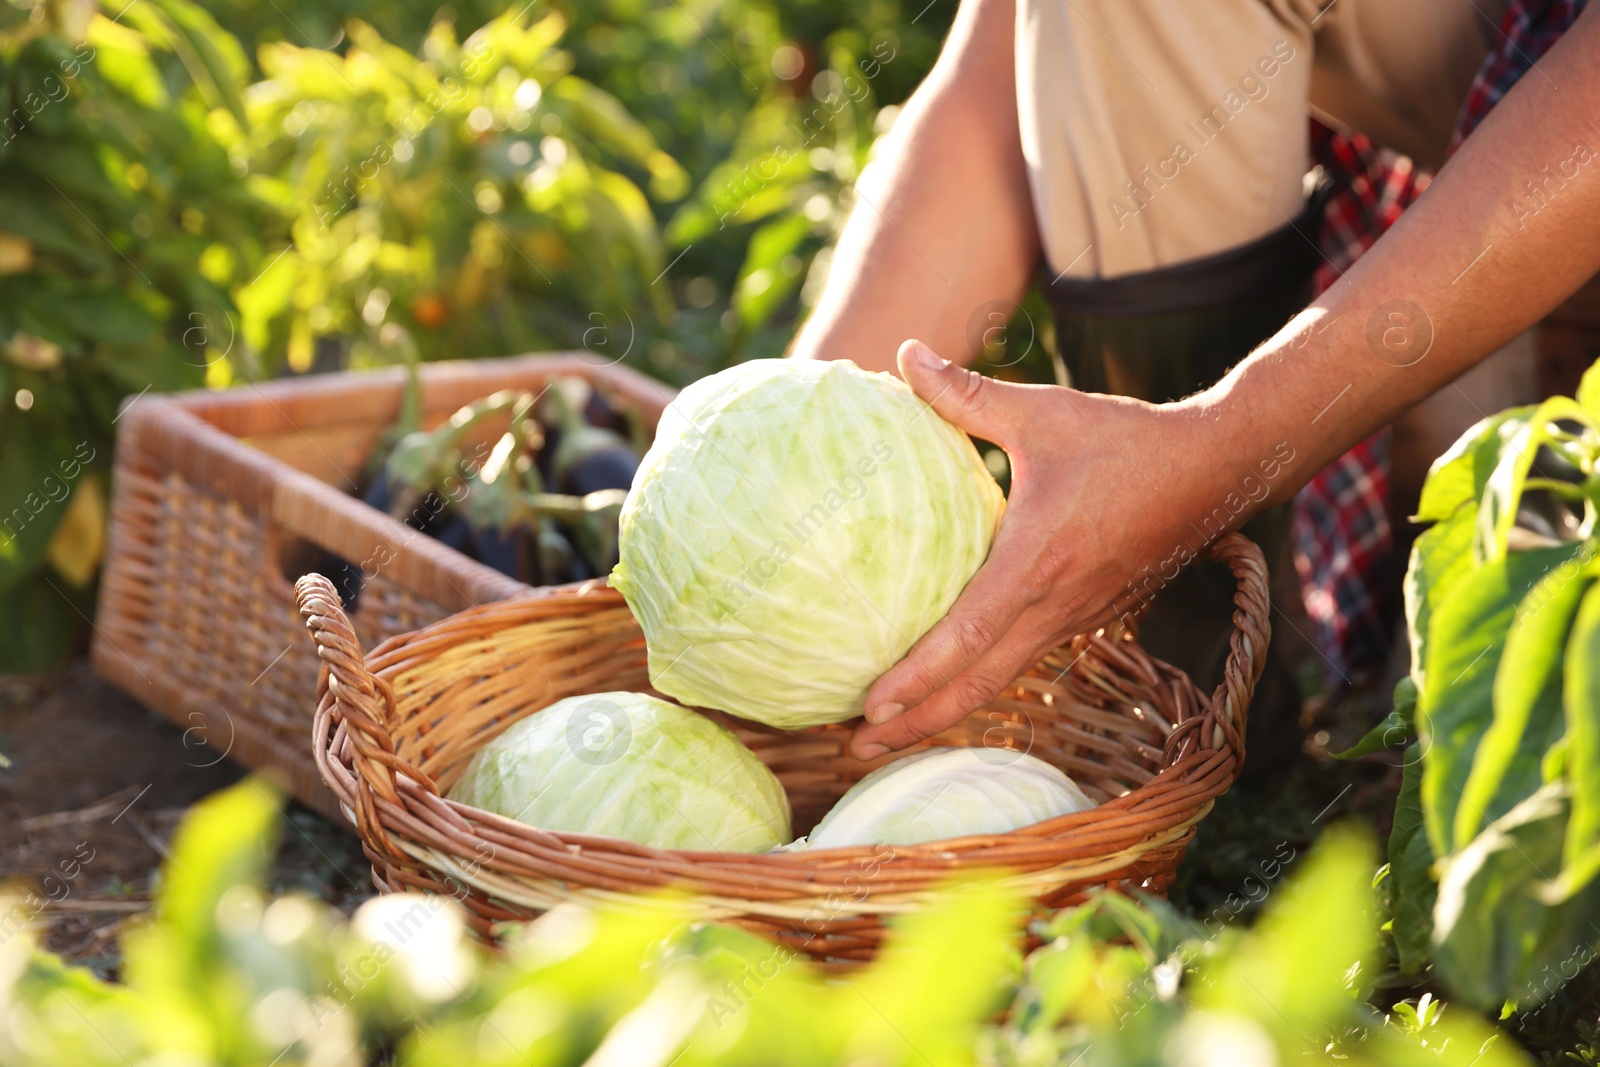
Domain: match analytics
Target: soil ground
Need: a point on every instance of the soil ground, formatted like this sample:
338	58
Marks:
94	770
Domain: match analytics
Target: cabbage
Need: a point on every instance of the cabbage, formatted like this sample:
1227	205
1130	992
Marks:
947	792
796	526
631	766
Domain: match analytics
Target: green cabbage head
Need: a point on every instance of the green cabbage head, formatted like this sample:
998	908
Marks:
796	526
947	792
631	766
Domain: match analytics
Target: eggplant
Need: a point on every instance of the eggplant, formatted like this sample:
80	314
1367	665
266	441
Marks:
559	562
585	459
509	551
455	532
589	522
345	576
504	526
505	519
598	411
609	468
380	491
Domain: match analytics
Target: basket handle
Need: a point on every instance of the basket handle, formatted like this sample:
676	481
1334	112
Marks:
1247	651
347	689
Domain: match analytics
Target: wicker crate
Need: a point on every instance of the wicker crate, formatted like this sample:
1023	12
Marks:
217	494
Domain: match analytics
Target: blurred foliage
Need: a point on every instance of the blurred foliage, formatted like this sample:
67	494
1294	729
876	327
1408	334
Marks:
222	974
1118	984
474	196
111	190
188	204
344	184
769	106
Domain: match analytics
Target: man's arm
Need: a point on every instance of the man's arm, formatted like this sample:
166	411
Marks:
1509	230
943	222
1104	487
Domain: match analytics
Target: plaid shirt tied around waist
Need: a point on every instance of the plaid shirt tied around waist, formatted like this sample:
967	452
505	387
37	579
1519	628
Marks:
1343	542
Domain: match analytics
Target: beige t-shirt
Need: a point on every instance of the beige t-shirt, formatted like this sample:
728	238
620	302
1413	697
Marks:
1160	131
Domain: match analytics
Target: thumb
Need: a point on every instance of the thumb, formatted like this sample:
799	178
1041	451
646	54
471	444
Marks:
974	402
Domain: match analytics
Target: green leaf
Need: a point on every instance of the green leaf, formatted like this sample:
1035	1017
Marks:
1449	1039
1414	892
109	315
228	839
1325	914
1466	637
1495	939
74	172
1583	735
755	995
760	179
1589	393
764	283
36	491
606	119
962	953
53	624
1397	728
1440	558
1058	974
1153	925
266	297
1554	764
1411	885
1497	510
1457	476
123	63
1527	701
50	223
212	57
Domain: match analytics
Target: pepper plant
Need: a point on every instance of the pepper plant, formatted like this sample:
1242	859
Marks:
1496	838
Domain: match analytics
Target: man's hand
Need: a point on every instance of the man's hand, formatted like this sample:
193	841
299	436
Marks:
1082	466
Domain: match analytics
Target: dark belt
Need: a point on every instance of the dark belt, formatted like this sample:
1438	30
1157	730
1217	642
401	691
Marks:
1163	334
1283	259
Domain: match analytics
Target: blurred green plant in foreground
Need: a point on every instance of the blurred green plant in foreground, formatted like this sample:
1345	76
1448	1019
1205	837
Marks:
222	975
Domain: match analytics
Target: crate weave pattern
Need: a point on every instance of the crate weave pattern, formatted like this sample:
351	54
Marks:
213	490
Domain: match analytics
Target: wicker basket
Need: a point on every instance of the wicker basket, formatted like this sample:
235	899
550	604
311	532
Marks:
394	731
217	494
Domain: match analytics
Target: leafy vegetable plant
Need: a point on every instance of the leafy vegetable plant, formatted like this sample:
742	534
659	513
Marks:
1500	717
169	224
